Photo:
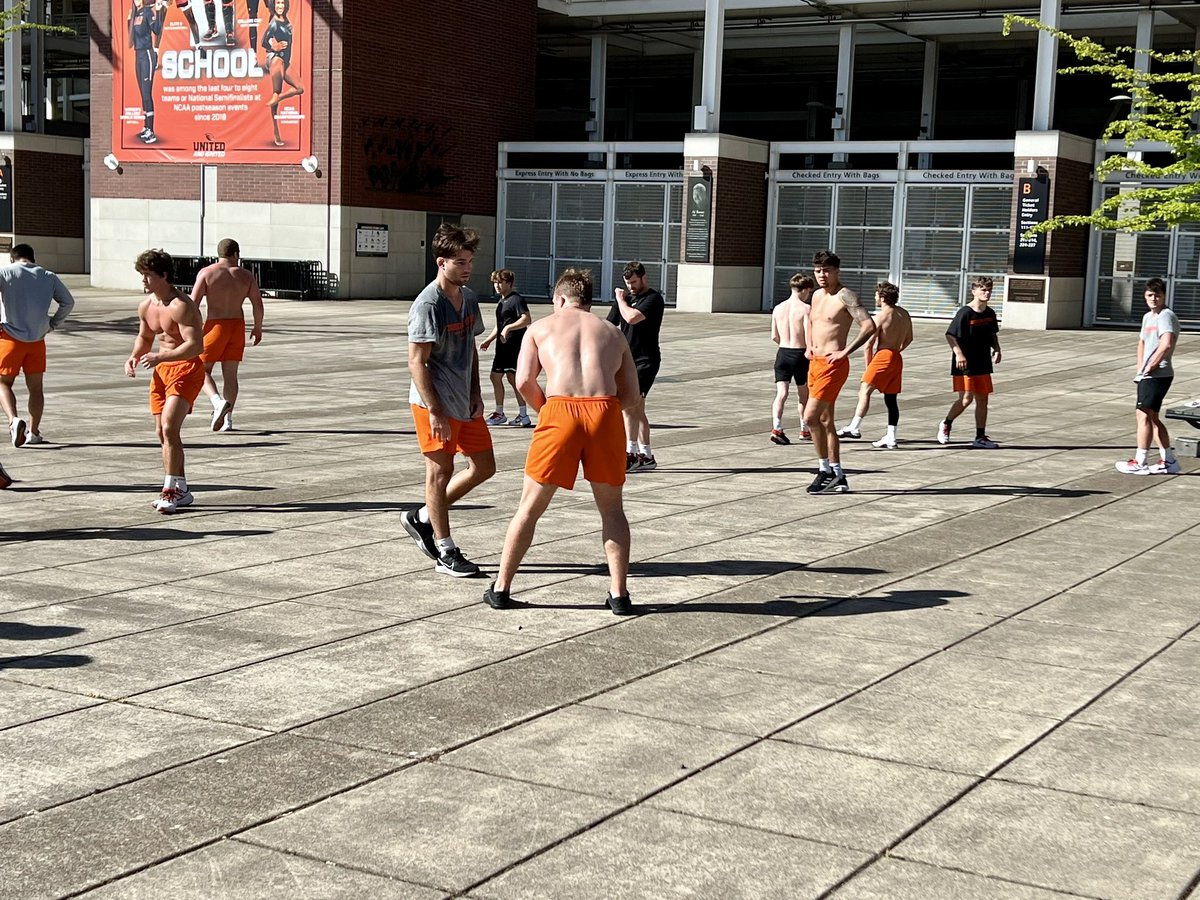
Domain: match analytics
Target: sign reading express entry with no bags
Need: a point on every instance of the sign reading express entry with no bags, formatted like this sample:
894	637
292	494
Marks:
1033	208
197	81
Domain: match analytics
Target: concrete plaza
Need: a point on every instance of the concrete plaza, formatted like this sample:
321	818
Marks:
977	675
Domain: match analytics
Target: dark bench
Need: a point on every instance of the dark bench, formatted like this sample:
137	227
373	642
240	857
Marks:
305	279
1189	414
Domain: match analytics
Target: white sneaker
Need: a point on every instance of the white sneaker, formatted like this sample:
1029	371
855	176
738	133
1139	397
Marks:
220	411
496	418
171	499
1166	468
847	433
885	443
1132	467
943	433
35	438
228	426
17	429
521	421
984	443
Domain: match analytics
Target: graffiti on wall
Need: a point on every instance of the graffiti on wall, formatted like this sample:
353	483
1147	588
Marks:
405	155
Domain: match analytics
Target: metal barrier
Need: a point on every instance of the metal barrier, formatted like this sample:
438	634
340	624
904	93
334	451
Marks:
305	279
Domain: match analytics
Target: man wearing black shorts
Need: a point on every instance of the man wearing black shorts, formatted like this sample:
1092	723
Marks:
1156	346
789	329
638	312
512	318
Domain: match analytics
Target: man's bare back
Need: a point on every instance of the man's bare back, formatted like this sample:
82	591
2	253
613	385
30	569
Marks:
582	356
893	328
787	323
225	288
832	314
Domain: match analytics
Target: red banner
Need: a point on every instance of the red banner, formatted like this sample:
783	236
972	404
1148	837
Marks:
206	81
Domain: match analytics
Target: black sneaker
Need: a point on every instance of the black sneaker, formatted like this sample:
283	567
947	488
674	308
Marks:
497	599
420	532
819	482
619	605
646	463
631	461
452	562
835	486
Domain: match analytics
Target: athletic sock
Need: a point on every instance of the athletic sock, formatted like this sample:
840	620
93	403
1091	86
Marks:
423	514
168	482
855	423
644	450
980	433
444	545
1140	456
217	401
181	483
803	425
522	411
891	432
823	465
777	424
631	446
837	470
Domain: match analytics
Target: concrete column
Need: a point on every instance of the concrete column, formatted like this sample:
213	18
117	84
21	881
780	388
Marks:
1046	71
13	88
599	81
845	88
37	66
929	97
707	114
1144	39
1054	298
734	170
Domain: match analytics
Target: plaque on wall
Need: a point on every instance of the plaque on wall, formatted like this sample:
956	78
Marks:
370	240
1026	290
1033	208
699	219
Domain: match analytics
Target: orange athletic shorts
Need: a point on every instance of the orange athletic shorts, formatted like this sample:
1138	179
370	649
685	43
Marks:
884	372
468	438
176	379
825	380
224	341
16	356
572	430
973	384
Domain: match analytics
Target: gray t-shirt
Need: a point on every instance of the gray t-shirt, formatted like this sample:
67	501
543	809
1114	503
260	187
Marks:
1154	326
433	320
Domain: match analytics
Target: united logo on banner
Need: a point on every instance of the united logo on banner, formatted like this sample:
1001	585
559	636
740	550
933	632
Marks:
206	81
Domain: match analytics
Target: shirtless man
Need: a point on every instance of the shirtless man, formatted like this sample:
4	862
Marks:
225	285
590	378
893	332
789	329
834	308
178	372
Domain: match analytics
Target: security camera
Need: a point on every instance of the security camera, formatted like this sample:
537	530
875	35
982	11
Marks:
112	162
309	164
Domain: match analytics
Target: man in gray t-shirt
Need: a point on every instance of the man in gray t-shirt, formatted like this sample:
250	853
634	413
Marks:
1156	345
446	402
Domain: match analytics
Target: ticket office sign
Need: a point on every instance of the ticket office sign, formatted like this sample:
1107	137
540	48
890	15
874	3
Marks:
212	82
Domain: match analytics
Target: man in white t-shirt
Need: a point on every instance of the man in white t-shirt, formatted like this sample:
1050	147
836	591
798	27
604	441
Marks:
1156	344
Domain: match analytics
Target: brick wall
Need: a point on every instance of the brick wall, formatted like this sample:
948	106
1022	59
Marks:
48	189
739	211
408	104
428	94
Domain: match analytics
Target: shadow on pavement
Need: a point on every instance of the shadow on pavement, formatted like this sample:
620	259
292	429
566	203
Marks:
124	533
188	445
341	432
993	490
19	631
706	567
142	488
50	661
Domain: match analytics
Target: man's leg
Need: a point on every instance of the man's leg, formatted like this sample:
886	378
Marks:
498	389
229	380
1145	430
168	425
34	383
535	498
777	405
829	418
512	380
816	414
8	400
981	413
210	385
959	406
615	531
439	470
1157	426
863	407
801	403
